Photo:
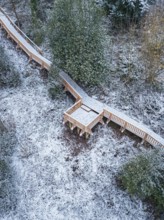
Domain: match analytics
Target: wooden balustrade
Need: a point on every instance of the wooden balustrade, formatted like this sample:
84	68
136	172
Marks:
102	110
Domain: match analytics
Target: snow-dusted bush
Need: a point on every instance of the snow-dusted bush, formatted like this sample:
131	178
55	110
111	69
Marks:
126	11
144	177
8	143
75	38
8	76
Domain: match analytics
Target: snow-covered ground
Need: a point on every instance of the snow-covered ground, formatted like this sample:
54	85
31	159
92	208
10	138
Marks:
58	175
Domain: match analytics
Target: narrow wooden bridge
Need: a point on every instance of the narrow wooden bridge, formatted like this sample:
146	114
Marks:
87	112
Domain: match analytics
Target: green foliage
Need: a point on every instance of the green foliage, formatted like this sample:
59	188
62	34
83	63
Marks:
3	170
153	45
55	92
34	10
144	177
75	38
37	31
126	11
8	75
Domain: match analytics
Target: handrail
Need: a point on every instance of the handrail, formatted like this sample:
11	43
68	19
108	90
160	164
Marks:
21	32
82	98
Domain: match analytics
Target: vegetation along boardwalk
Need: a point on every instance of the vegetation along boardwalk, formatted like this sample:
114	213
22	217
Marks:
86	112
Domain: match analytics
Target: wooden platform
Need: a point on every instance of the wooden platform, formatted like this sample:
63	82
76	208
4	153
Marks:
86	112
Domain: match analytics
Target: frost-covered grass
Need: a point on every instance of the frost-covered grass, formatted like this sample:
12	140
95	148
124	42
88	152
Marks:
59	175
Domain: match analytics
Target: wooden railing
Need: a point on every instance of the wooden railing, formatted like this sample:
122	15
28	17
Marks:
28	46
134	127
34	52
21	32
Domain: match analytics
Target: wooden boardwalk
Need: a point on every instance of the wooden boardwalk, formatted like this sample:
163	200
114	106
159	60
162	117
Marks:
86	112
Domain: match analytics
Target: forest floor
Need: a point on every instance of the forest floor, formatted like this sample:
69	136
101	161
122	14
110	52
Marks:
58	175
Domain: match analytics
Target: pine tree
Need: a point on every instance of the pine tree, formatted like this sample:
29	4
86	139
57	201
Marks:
75	38
127	11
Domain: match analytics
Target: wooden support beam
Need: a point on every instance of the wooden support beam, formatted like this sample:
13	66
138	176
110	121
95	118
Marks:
144	139
30	59
81	133
17	46
65	121
78	130
101	121
70	125
109	119
87	135
42	65
123	128
73	127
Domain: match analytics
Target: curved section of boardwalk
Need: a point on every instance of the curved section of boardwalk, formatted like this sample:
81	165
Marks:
23	41
86	112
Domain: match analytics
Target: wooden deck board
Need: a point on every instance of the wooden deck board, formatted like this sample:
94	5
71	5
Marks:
83	116
74	85
77	115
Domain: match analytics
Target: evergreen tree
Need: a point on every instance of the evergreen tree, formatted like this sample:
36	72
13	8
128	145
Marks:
75	38
144	176
127	11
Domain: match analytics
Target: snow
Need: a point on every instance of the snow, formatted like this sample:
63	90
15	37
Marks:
51	182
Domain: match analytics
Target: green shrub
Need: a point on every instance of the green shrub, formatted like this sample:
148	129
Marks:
75	38
38	18
3	170
144	177
126	11
55	92
8	75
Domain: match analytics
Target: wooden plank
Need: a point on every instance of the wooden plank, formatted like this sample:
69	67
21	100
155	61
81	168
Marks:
85	108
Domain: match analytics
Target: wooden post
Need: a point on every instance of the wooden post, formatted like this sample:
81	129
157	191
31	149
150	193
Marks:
87	135
30	58
42	65
101	121
65	121
144	139
78	130
109	119
123	128
73	127
70	125
17	46
81	133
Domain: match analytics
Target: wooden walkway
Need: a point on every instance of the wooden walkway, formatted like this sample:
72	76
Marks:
86	112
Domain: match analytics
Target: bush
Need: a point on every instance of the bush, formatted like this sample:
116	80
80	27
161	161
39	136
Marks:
153	44
8	76
55	92
8	143
144	177
126	11
38	17
75	39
